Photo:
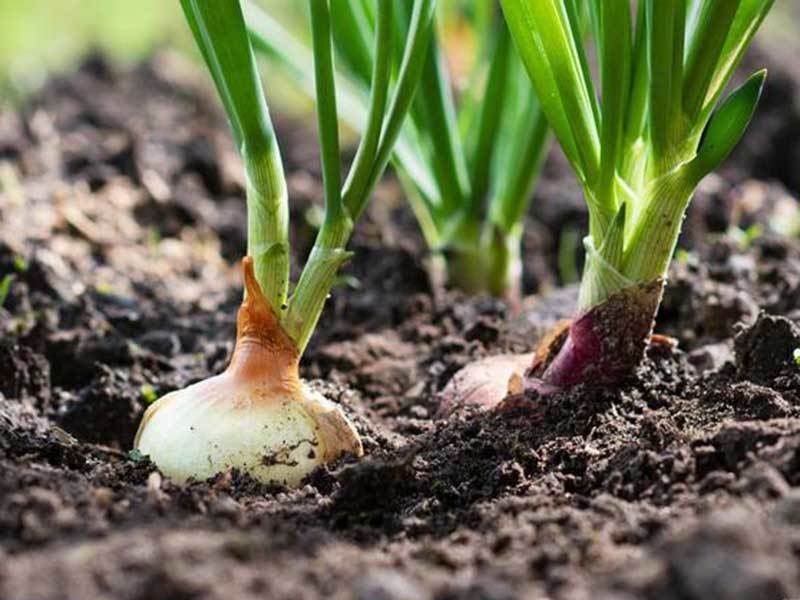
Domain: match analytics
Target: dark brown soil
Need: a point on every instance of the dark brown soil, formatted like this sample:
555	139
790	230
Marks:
121	219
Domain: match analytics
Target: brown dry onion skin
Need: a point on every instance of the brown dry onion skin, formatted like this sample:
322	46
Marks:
257	416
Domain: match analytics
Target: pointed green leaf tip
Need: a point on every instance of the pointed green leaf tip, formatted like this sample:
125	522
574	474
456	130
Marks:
727	124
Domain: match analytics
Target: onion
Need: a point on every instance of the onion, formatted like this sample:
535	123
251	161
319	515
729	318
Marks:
257	416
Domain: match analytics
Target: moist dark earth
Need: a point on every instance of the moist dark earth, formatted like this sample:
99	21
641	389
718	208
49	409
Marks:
121	225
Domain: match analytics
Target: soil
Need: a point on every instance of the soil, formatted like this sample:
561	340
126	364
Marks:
121	221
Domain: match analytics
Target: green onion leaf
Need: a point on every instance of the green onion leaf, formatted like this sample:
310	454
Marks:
280	46
220	32
615	32
349	19
437	111
489	120
714	21
666	26
358	179
326	111
728	124
748	19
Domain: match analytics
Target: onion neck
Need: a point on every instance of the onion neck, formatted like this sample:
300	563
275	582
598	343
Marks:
264	352
601	347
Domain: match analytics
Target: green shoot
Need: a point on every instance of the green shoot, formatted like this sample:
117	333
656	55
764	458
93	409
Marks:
5	287
643	136
639	140
221	34
746	237
148	394
468	167
20	264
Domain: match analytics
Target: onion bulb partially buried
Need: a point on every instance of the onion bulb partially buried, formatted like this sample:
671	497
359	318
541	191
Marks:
257	416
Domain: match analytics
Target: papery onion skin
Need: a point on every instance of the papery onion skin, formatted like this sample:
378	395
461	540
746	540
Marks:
484	383
257	416
217	424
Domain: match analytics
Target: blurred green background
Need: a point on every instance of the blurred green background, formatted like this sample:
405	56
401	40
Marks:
38	37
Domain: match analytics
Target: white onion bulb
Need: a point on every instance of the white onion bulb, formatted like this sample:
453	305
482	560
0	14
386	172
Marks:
257	416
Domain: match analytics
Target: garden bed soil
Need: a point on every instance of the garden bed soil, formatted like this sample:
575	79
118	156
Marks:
121	221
